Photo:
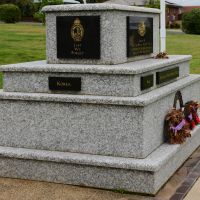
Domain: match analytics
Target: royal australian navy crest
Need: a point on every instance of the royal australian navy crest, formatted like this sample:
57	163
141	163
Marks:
142	29
77	30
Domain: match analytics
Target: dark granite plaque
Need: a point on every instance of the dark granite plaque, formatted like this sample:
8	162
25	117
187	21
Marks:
147	82
78	37
65	83
167	75
139	36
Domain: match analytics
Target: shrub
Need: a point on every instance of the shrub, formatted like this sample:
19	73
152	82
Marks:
10	13
7	1
26	7
153	4
175	25
51	2
40	16
191	22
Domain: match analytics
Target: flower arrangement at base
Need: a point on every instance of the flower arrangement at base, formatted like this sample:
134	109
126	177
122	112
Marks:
178	129
191	114
180	122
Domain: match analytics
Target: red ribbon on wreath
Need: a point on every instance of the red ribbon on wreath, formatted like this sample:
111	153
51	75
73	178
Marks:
191	113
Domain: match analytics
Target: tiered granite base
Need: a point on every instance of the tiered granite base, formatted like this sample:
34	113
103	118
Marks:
96	137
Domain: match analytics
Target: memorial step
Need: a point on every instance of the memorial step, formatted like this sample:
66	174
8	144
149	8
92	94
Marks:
128	80
104	125
116	173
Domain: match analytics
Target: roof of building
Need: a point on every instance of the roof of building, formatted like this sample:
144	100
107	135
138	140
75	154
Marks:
184	2
173	4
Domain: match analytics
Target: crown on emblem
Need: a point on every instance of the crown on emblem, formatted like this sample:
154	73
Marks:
77	21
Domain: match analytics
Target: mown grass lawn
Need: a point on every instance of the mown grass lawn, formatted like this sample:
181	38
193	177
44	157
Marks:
185	44
26	42
21	43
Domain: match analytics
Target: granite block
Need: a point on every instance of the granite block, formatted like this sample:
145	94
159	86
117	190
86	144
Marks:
139	101
107	172
83	128
117	126
97	7
112	43
137	67
109	83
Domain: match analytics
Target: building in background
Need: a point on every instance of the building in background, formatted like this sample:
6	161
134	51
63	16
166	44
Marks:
173	12
184	5
176	8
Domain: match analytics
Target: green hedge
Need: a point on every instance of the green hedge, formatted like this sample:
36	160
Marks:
10	13
40	16
7	1
26	6
153	4
191	22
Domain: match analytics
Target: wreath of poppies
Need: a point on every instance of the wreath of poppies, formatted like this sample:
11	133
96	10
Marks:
180	122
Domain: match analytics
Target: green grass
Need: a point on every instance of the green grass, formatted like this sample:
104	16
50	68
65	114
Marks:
184	44
23	43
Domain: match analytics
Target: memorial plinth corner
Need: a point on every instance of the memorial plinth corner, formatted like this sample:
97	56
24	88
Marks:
93	113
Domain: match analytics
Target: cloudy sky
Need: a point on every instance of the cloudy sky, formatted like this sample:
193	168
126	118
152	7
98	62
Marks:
186	2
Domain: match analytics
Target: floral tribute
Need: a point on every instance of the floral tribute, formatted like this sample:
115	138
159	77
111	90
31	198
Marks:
180	122
191	113
162	55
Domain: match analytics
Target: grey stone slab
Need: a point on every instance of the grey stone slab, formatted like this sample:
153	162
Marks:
91	84
137	67
118	126
82	128
113	31
134	175
141	100
95	6
151	163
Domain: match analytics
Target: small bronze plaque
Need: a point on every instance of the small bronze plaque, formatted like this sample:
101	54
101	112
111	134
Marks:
147	82
167	75
78	37
139	36
65	83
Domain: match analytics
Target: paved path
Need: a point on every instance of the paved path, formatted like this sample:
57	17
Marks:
14	189
175	31
194	193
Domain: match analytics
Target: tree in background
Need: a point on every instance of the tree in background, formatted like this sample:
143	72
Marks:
7	1
26	7
9	13
153	4
39	15
191	22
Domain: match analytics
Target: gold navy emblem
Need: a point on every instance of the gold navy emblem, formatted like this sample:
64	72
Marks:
77	30
141	29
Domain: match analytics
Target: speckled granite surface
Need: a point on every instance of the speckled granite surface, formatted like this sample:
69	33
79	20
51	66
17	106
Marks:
141	100
82	7
118	126
121	80
135	175
112	33
130	68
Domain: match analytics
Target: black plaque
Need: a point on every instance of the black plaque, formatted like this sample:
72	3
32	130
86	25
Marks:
139	36
167	75
65	83
147	82
78	37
